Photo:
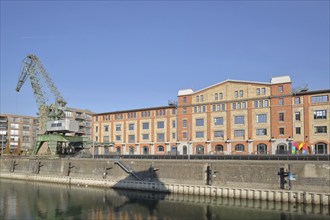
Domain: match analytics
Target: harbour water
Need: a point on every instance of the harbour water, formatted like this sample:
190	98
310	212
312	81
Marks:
35	200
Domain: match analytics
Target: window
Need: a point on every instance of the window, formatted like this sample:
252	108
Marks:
160	137
239	147
26	127
160	124
96	129
105	138
173	136
199	134
239	120
258	91
261	132
281	116
266	103
255	104
297	116
106	128
281	131
218	120
298	130
118	137
280	101
239	133
280	88
145	136
261	118
184	123
297	100
321	98
184	135
243	105
241	93
173	111
216	96
320	114
201	98
261	104
184	110
197	98
236	94
184	100
200	122
173	123
234	105
131	127
263	91
219	148
118	127
26	138
320	129
321	148
218	133
160	148
131	138
145	125
220	96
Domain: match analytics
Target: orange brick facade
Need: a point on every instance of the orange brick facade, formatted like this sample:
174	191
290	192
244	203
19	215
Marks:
231	117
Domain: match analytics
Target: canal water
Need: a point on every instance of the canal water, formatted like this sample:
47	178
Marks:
35	200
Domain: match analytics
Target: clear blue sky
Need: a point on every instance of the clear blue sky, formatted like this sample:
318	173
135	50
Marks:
118	55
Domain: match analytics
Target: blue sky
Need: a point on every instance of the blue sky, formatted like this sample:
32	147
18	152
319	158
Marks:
118	55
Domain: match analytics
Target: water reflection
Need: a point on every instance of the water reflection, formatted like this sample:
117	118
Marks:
33	200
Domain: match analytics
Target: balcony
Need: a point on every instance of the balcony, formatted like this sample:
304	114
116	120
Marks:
3	120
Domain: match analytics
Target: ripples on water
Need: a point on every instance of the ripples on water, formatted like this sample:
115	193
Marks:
34	200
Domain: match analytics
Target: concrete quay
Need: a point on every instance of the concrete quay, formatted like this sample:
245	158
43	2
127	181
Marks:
254	180
289	196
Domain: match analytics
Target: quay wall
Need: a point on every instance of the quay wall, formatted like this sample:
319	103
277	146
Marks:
230	178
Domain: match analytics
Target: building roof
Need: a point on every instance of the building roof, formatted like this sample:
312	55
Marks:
136	110
280	79
274	80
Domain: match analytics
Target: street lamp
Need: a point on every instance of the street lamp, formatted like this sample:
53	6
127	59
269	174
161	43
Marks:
2	136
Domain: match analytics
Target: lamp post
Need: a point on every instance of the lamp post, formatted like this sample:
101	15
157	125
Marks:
2	136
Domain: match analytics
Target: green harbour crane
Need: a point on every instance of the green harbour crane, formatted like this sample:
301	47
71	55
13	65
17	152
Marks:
57	132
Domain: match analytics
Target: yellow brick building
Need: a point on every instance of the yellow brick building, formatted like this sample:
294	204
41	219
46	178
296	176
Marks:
230	117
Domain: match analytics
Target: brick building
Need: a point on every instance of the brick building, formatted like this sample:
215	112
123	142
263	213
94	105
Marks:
231	117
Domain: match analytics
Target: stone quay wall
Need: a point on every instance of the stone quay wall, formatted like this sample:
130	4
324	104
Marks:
229	178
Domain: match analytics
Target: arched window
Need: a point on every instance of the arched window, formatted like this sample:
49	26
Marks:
200	149
321	148
160	148
131	150
145	150
261	149
118	150
239	147
106	150
185	150
282	149
219	149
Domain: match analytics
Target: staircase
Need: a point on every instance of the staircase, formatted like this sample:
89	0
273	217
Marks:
127	169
